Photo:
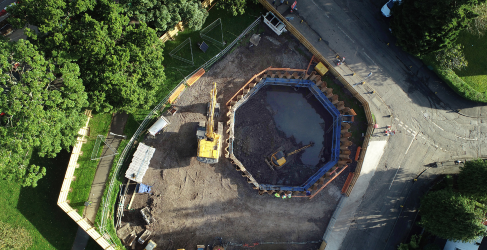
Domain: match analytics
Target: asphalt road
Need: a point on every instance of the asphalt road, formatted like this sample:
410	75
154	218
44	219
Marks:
428	128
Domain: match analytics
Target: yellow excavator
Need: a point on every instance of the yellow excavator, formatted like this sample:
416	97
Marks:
278	159
210	142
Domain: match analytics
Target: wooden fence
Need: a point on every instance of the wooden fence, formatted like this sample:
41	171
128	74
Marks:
63	203
321	58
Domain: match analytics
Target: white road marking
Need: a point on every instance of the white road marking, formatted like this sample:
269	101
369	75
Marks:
394	177
323	11
437	126
348	36
410	144
369	58
468	139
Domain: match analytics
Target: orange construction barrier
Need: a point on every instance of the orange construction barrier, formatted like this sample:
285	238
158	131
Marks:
195	77
328	182
347	182
358	153
176	93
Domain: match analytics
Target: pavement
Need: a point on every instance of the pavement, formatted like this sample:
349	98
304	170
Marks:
335	236
98	186
432	123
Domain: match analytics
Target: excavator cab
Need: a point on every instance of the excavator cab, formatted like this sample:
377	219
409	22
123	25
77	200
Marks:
278	159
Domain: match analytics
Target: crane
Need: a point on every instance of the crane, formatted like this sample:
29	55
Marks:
209	142
278	159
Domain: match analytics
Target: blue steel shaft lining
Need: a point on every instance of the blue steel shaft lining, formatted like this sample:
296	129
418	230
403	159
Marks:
326	104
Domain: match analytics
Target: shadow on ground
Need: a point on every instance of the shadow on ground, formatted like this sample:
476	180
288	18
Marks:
39	204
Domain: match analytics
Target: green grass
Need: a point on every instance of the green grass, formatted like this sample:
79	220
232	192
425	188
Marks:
475	49
99	125
232	26
359	125
470	82
36	210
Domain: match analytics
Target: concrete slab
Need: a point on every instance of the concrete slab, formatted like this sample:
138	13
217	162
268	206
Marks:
335	236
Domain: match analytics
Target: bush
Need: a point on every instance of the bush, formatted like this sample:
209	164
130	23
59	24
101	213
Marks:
459	86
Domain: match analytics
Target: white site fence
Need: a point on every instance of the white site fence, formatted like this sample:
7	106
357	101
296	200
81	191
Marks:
106	201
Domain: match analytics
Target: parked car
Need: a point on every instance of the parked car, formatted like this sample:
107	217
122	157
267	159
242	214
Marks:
4	11
6	30
386	9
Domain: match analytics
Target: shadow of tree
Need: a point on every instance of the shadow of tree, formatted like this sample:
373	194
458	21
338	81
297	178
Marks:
39	204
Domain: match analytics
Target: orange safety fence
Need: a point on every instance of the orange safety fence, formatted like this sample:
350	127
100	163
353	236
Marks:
328	182
242	88
358	153
347	182
195	77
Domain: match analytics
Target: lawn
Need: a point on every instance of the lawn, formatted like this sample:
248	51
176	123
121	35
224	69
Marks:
99	125
36	210
475	49
232	26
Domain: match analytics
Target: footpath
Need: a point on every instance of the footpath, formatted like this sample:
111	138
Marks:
98	186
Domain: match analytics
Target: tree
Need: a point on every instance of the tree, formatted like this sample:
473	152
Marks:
164	15
471	180
425	26
41	101
236	7
120	63
14	237
413	244
452	58
478	25
452	216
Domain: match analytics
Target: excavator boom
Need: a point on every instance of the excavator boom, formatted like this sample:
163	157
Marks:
210	123
301	149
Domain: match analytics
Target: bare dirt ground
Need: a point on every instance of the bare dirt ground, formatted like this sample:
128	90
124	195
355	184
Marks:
193	203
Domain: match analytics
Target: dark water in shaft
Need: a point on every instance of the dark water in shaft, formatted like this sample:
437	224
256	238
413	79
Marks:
295	115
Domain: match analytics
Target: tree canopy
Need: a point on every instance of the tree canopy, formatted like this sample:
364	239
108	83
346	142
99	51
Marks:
41	104
120	63
425	26
472	180
164	15
452	216
236	7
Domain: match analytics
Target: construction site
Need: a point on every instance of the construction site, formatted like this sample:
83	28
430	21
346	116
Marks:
254	154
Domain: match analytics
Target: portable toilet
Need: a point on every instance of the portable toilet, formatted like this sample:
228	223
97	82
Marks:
159	125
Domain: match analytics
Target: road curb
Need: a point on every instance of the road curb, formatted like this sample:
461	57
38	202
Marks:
334	217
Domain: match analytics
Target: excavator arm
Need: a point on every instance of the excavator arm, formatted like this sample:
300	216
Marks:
210	134
301	149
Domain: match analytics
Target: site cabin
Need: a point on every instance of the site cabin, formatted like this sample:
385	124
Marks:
274	23
159	125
